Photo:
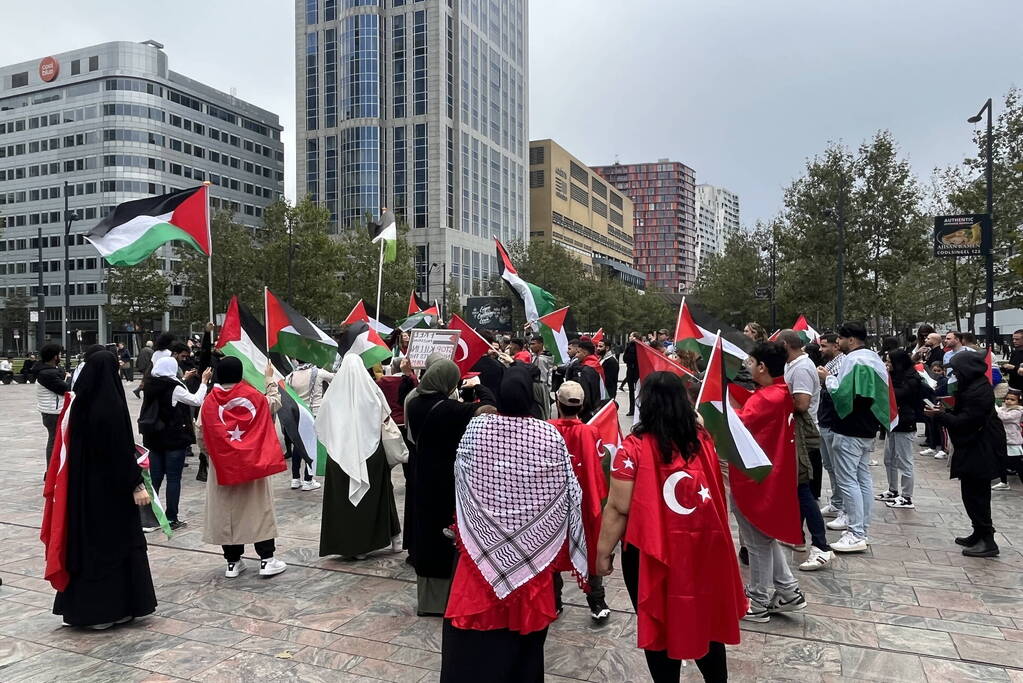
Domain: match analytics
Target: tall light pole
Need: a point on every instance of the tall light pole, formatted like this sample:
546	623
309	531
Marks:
69	216
41	301
989	256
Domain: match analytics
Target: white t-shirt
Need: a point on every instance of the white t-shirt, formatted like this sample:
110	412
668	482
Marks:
802	378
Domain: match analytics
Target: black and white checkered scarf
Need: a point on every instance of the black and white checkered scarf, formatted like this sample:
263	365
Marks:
517	500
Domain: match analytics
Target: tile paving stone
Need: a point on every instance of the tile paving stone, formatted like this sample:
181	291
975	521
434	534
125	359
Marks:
911	608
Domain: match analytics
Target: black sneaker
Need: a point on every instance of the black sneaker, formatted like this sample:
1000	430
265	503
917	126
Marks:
599	611
178	524
794	603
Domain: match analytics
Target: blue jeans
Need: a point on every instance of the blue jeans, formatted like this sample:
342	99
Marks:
827	446
851	460
811	514
169	464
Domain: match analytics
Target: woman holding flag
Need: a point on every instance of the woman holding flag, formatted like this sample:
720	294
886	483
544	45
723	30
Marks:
95	551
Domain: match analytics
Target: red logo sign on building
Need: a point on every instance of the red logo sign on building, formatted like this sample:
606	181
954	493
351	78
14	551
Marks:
48	69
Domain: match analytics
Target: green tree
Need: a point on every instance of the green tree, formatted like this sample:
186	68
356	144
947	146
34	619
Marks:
15	316
453	302
358	271
727	280
138	294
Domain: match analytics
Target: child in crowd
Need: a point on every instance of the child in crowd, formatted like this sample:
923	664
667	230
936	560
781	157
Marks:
1010	413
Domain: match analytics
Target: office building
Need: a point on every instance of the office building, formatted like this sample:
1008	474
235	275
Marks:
571	206
717	217
664	200
114	123
421	106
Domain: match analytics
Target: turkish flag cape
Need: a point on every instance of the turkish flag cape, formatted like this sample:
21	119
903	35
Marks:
581	440
690	589
240	436
53	533
772	505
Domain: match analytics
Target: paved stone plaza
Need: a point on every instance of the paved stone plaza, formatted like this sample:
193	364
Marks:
910	609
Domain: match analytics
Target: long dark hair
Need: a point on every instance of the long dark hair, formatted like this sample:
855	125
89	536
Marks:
903	371
666	413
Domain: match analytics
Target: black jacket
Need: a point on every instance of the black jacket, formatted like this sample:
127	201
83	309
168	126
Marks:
973	426
53	378
165	427
631	362
590	381
1015	380
909	399
610	365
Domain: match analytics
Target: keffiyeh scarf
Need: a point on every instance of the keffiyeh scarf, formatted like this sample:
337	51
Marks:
516	500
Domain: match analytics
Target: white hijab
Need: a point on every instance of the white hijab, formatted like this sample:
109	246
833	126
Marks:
350	420
165	367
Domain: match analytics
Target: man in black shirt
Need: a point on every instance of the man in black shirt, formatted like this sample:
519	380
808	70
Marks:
610	365
1013	370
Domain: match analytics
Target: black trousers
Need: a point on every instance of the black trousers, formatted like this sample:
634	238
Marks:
632	396
498	656
817	467
50	422
977	501
596	584
664	669
265	550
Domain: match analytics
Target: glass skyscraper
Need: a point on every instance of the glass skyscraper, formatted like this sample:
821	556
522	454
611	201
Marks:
420	106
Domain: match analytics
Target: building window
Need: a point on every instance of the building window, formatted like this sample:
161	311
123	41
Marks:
93	63
579	194
329	10
451	68
536	178
76	67
311	89
536	155
398	65
616	200
330	175
400	172
419	168
598	187
330	78
311	11
422	269
19	80
419	62
360	71
360	158
579	173
312	170
456	269
451	177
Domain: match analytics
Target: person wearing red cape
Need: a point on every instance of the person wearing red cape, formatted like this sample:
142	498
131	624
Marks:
667	500
581	439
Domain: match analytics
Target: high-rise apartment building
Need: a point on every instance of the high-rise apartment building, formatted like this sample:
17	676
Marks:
717	215
571	206
666	238
112	123
421	106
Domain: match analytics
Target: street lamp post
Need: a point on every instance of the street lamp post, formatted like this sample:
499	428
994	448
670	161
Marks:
291	251
69	216
989	257
41	305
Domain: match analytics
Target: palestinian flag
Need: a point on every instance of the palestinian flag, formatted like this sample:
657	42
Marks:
359	314
424	318
154	500
290	333
385	229
244	337
417	303
362	339
597	336
731	437
134	230
535	300
692	337
553	325
807	333
924	376
863	374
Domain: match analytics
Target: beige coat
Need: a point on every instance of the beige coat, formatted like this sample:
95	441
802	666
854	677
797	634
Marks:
244	513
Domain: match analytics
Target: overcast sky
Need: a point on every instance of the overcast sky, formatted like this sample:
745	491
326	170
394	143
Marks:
741	90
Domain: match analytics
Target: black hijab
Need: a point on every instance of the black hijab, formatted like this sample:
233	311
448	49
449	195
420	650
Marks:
516	399
229	370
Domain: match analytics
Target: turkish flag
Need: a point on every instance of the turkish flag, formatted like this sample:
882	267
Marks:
582	441
690	589
471	346
649	361
53	532
239	433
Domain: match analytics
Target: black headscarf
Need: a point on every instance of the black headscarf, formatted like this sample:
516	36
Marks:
516	399
902	366
102	469
229	370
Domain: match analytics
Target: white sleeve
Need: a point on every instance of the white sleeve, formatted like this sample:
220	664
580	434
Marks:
182	395
831	383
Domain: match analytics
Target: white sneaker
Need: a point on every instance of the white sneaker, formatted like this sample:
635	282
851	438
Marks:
849	543
927	451
234	569
396	544
1001	486
271	566
874	463
839	523
830	510
149	529
818	558
310	485
295	483
901	503
940	455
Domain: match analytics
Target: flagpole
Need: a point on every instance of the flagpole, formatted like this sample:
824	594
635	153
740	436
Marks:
209	257
266	322
710	363
380	277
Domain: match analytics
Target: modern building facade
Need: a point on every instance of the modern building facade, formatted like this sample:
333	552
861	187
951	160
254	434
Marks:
717	217
666	239
420	106
573	207
112	123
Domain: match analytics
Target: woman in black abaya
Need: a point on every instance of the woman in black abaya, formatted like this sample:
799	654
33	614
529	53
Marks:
106	556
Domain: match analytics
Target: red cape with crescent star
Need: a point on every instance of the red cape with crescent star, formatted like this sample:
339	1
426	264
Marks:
690	590
581	440
239	433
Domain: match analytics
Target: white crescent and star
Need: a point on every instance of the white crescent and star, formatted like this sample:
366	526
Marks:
671	500
463	350
236	434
